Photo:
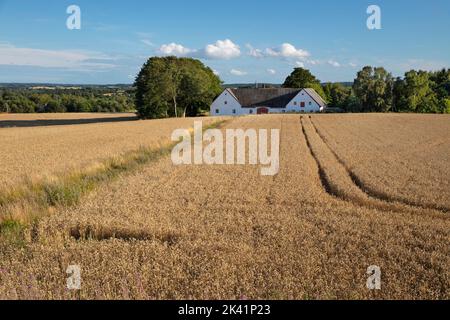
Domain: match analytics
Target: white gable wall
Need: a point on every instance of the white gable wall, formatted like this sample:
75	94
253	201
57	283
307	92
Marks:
310	104
225	104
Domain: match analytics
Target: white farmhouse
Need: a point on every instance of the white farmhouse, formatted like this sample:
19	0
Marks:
236	102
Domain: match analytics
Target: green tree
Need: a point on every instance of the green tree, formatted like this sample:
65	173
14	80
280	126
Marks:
441	83
399	103
419	94
303	78
414	93
17	103
352	104
171	86
374	89
446	105
199	86
153	89
337	95
54	105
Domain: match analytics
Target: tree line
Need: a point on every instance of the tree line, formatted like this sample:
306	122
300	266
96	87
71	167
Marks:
179	87
376	90
81	100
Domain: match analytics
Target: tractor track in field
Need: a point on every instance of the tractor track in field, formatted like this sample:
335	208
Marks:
370	191
349	187
322	176
322	172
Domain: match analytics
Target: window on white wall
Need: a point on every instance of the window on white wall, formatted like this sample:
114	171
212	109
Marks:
226	102
234	110
310	103
217	110
251	111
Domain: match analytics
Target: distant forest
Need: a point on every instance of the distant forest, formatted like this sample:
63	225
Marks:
48	98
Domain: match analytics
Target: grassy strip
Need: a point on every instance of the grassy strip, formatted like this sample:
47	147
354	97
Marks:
23	206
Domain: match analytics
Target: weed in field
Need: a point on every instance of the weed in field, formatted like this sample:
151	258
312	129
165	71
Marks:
12	232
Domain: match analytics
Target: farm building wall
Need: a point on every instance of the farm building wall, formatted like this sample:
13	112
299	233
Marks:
227	105
310	105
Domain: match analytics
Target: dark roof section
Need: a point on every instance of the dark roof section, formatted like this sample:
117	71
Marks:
271	98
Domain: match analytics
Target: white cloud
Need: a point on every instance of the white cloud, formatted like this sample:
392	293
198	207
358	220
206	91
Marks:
237	72
78	60
256	53
287	50
271	71
334	63
299	64
227	49
222	49
352	64
217	73
174	49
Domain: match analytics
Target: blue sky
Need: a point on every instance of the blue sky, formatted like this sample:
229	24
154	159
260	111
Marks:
243	41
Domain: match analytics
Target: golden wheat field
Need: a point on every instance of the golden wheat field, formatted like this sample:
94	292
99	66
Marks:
34	147
352	191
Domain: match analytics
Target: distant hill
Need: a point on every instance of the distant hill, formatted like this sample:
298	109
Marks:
251	85
50	86
345	84
271	85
